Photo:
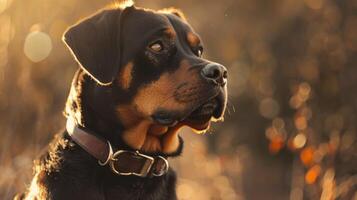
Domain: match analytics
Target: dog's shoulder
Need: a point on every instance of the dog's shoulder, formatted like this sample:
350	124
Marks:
59	172
66	171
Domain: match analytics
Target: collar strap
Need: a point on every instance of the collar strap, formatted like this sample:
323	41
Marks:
121	162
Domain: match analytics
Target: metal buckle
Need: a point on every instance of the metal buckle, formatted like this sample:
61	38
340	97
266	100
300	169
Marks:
110	155
162	172
145	168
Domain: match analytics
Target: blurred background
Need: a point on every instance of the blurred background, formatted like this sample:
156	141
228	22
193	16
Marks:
290	128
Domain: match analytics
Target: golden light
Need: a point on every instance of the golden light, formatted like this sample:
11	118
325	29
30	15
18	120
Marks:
320	152
4	4
276	144
312	174
299	141
306	112
302	94
328	185
271	132
276	130
307	156
278	123
38	46
123	4
300	123
304	91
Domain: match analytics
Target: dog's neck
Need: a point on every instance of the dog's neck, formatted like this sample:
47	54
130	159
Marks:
94	113
94	107
89	106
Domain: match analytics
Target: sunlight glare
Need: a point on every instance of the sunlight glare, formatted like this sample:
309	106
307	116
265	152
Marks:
38	46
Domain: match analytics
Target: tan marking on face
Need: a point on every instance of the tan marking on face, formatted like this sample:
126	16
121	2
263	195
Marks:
151	144
143	137
160	93
193	39
140	131
126	76
128	115
167	144
157	129
170	141
135	136
170	32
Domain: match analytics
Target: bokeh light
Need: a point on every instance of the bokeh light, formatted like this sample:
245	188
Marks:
299	141
38	46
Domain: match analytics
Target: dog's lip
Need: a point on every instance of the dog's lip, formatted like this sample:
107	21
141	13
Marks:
221	101
198	117
204	112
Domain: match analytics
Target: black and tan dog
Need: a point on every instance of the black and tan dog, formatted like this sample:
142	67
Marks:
141	79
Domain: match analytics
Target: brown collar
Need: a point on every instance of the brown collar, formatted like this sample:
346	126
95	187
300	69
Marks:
121	162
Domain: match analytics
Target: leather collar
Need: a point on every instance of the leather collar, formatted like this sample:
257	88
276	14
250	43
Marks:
121	162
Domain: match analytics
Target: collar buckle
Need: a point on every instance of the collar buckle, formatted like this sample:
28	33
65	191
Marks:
121	162
140	164
146	163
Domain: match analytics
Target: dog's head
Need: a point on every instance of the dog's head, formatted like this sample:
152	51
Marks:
152	63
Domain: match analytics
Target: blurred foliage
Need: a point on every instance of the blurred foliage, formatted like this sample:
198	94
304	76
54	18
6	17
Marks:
290	128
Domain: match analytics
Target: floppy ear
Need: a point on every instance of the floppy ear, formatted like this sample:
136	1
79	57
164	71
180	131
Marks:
95	44
174	11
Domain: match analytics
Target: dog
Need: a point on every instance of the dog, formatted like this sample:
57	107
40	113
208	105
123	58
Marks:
141	78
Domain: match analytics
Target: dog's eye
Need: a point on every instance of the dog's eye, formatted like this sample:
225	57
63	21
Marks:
157	46
199	51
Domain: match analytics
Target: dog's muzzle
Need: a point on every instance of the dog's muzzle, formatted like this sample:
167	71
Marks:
121	162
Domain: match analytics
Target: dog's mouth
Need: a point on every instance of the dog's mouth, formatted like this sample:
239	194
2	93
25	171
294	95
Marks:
198	117
162	135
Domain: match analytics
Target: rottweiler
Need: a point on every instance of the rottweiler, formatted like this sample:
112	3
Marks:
141	78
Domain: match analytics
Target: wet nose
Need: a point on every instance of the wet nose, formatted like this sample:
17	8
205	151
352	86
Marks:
215	73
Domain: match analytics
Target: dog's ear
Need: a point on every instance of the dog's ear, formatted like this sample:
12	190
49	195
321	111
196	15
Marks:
174	11
95	44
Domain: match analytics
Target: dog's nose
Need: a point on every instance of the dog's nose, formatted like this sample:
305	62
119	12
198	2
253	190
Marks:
215	73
